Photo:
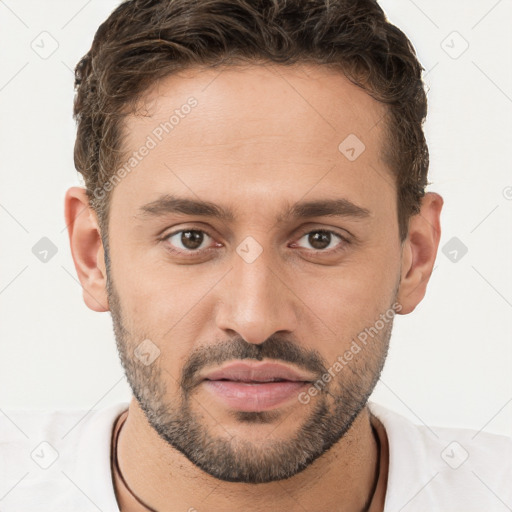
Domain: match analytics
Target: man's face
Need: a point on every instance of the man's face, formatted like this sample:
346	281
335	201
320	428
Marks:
265	284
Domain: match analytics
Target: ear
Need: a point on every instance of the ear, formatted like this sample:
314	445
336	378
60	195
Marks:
419	252
86	248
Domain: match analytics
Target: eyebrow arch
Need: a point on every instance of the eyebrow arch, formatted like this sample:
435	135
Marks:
169	204
325	208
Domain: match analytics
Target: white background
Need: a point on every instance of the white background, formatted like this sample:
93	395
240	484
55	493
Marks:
450	360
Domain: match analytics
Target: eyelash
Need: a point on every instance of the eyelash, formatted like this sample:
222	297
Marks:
171	249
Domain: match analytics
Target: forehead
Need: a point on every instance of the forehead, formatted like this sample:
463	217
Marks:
256	132
322	99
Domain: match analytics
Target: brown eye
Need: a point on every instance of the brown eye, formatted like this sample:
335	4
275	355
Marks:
322	240
187	239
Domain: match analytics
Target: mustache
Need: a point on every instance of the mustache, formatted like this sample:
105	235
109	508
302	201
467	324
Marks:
275	348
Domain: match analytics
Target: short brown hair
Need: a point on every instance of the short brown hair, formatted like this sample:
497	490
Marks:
144	41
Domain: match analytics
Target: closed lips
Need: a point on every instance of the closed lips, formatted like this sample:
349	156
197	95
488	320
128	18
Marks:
264	372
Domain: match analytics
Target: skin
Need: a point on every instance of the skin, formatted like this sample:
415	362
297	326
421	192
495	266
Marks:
260	139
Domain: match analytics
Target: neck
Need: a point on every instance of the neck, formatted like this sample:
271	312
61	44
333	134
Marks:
163	478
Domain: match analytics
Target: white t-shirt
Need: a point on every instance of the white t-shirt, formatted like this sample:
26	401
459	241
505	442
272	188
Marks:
60	462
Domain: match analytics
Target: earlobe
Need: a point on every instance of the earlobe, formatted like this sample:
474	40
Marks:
419	252
86	248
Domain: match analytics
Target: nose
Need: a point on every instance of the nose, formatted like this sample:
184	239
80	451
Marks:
256	299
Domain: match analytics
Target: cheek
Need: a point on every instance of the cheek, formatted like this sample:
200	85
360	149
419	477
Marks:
166	302
149	296
354	295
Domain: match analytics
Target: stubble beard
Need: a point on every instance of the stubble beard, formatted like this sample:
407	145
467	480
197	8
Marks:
233	459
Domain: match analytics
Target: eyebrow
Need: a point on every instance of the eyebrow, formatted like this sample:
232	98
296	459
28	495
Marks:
170	204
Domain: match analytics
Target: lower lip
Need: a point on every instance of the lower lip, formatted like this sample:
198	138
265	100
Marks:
262	396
